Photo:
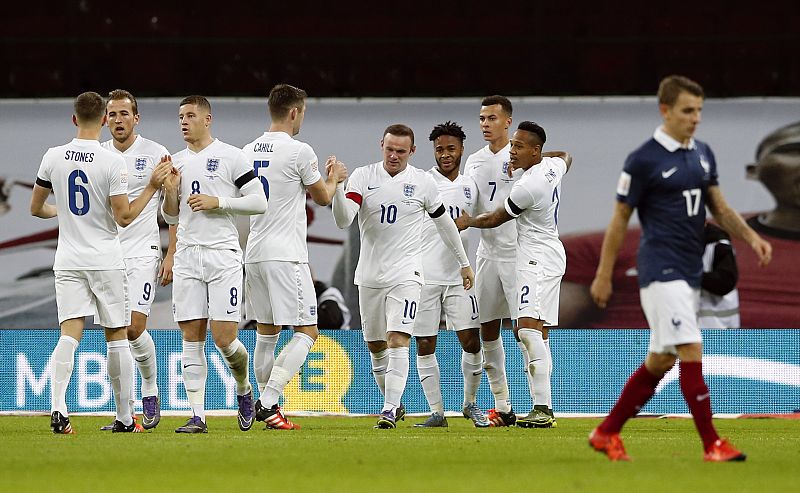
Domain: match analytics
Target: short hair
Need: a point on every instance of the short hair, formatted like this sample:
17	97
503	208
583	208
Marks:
120	94
400	130
673	85
448	128
199	101
503	101
792	129
535	129
89	107
282	98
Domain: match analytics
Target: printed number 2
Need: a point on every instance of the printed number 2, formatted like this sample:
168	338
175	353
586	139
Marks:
692	201
75	189
264	183
492	184
525	291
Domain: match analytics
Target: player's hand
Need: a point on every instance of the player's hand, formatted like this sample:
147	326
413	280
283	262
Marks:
173	181
161	172
336	168
165	271
202	202
462	221
763	250
468	277
601	290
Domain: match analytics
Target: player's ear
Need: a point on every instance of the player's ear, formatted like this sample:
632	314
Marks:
75	120
751	172
208	120
381	143
413	150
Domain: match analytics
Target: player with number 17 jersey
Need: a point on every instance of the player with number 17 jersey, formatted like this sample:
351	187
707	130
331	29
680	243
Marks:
215	171
390	219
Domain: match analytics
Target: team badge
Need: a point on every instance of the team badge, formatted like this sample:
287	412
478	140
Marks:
212	164
140	164
408	190
312	310
505	167
468	193
550	175
704	163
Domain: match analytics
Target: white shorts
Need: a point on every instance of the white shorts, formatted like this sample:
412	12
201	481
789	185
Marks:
280	293
671	311
459	305
207	283
538	295
142	281
102	293
496	288
384	309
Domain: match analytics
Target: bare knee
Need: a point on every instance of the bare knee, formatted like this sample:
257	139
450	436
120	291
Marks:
376	346
659	363
426	345
470	340
310	330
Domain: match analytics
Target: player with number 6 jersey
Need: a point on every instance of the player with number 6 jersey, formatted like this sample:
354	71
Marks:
213	182
390	198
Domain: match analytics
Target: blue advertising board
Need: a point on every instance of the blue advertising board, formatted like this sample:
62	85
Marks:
748	371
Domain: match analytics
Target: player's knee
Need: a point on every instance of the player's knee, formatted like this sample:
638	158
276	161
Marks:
311	331
426	345
376	346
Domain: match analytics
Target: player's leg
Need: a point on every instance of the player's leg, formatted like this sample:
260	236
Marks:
401	310
142	280
74	302
190	310
426	327
258	306
294	305
372	305
112	302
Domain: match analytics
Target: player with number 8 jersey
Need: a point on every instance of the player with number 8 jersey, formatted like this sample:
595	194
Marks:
213	182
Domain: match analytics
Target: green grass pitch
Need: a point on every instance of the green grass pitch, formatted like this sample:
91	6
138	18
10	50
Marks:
345	454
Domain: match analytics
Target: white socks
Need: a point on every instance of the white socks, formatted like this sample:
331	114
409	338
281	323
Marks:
144	352
549	372
526	361
61	363
238	361
539	366
396	377
195	372
264	358
472	369
292	357
120	371
380	362
495	364
429	377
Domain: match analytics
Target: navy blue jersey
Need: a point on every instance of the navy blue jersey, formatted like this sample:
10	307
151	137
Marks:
669	185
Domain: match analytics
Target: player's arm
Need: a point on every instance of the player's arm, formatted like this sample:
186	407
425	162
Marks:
601	288
124	211
322	191
252	200
39	205
165	271
563	155
346	204
486	220
170	208
449	232
734	225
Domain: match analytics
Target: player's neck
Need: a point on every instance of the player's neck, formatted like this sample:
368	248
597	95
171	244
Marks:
683	141
89	133
452	175
285	127
200	144
126	144
497	145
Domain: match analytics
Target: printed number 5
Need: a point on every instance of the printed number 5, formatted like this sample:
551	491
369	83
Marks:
264	183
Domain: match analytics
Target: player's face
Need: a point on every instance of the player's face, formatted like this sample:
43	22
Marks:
494	122
121	119
778	168
397	150
195	122
523	153
682	118
447	150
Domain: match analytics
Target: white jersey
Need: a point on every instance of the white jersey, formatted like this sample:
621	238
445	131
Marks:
534	201
141	237
438	263
218	170
83	177
285	167
390	220
490	173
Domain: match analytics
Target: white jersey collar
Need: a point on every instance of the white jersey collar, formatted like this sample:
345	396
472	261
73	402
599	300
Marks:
204	149
669	143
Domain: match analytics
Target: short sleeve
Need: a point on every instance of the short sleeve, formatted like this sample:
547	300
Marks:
433	200
521	197
43	177
632	182
308	165
118	177
240	167
712	162
355	184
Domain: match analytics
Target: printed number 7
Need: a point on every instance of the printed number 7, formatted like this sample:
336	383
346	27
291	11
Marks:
492	184
264	182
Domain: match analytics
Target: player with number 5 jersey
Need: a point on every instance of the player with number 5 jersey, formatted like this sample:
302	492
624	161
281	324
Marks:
390	198
213	182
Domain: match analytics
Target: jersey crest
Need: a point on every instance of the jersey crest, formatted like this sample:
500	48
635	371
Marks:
408	190
468	193
704	163
212	164
140	163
